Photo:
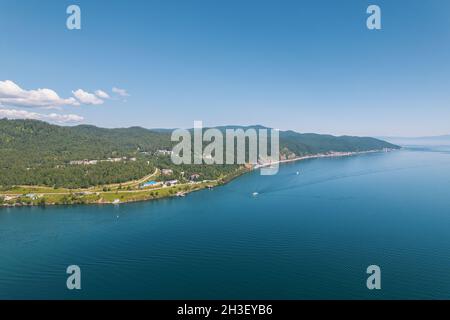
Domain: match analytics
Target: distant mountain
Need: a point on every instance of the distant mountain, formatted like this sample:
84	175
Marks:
35	152
32	141
310	143
431	140
440	137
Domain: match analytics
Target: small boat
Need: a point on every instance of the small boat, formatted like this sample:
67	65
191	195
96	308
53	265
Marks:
297	173
255	194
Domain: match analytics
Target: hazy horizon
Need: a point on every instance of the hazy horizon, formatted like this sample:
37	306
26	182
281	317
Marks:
442	136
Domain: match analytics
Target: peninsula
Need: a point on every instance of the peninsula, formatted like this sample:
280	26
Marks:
44	164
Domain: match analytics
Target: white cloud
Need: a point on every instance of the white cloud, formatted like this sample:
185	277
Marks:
102	94
120	92
86	97
64	118
13	95
53	117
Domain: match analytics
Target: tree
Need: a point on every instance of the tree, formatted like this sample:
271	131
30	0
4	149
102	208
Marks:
42	202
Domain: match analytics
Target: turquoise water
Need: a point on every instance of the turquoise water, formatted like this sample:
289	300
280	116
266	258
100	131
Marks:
304	236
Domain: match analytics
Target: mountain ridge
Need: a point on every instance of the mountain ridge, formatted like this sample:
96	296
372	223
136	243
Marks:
34	152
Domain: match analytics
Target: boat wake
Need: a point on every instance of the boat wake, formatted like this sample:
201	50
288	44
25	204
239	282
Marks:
298	182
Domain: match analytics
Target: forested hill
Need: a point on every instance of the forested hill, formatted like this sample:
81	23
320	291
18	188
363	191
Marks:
35	152
311	143
39	141
302	144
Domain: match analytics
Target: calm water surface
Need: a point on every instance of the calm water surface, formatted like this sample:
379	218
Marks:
304	236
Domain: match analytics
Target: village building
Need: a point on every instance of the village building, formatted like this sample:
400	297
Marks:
166	172
194	177
171	183
164	152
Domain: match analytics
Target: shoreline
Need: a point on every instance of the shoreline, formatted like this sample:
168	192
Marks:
322	155
198	187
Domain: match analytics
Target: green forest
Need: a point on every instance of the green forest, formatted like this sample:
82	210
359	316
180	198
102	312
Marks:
37	153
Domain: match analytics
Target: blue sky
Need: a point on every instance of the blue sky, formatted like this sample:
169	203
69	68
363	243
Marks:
310	66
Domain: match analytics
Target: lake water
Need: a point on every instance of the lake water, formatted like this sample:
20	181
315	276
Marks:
305	236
